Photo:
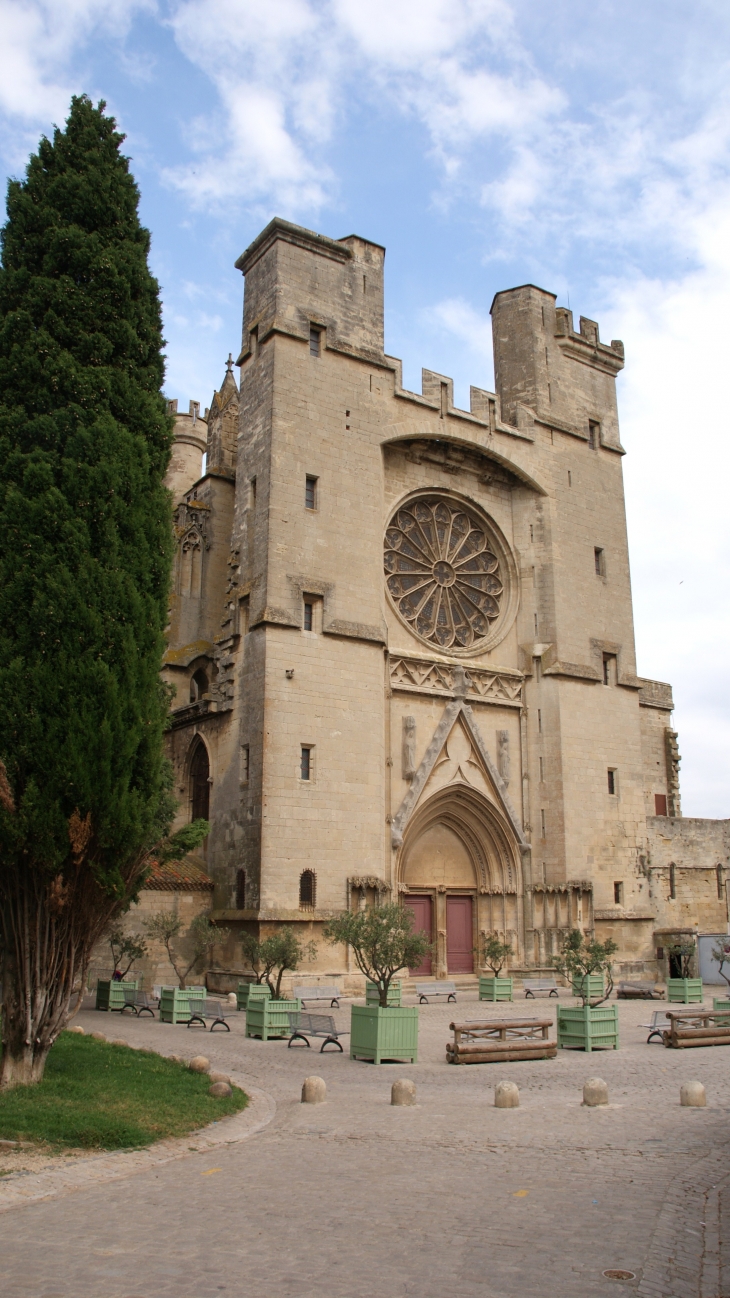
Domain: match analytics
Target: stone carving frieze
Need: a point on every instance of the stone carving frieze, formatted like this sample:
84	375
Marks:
419	676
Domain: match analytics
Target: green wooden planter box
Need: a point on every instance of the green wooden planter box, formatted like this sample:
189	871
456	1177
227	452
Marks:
372	996
494	989
177	1004
247	991
269	1019
720	1003
594	982
110	994
588	1027
377	1033
686	991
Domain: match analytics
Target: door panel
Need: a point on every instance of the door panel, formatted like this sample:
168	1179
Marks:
422	922
459	935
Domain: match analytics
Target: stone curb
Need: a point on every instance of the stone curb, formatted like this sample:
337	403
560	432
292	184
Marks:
21	1188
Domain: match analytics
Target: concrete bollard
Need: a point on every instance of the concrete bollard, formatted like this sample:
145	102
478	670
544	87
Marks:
692	1095
314	1090
199	1064
595	1092
506	1096
118	1041
232	999
403	1092
220	1090
79	1031
97	1036
219	1077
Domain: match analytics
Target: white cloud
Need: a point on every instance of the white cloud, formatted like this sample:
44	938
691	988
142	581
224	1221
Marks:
459	318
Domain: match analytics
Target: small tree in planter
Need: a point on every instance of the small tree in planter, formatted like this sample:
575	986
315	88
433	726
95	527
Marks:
682	951
682	986
494	954
587	963
383	942
276	955
166	927
125	949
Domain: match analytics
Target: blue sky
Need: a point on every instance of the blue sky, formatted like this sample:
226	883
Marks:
486	143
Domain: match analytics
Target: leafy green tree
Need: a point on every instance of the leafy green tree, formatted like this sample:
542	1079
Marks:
125	949
85	557
721	953
494	953
582	957
682	950
382	940
189	949
280	951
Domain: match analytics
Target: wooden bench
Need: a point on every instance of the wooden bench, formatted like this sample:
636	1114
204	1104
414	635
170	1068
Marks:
540	987
331	994
697	1028
638	991
426	990
211	1010
303	1026
487	1041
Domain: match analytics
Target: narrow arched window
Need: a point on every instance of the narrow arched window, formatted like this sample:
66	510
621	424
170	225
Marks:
240	889
307	890
199	783
199	685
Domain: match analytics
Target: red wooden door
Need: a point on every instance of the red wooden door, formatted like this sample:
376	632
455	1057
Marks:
459	935
421	907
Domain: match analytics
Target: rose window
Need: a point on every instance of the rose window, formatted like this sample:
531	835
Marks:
441	573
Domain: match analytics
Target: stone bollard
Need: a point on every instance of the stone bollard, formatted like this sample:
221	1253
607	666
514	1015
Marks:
403	1092
199	1064
220	1090
692	1095
78	1030
506	1096
219	1077
595	1092
118	1041
97	1036
176	1059
314	1090
232	999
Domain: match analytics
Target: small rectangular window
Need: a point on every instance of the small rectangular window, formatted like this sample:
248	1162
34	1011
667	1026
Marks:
539	721
660	804
672	881
618	894
599	561
535	622
306	762
542	772
611	780
609	669
245	754
314	340
308	615
240	889
720	883
310	492
542	822
594	434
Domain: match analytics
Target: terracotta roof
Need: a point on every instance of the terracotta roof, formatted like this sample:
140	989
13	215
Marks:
177	876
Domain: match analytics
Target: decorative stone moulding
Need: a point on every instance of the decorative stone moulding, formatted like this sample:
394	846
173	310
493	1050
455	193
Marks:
450	573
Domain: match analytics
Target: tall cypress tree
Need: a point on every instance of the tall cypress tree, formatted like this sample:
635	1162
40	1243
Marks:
85	556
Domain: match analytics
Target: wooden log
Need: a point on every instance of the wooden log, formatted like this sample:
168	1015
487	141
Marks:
682	1043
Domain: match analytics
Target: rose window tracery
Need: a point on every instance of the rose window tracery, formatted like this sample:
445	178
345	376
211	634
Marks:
442	573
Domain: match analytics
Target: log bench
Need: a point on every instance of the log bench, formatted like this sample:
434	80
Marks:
697	1028
490	1041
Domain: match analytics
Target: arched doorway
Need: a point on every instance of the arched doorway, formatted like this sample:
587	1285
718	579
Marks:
199	783
459	870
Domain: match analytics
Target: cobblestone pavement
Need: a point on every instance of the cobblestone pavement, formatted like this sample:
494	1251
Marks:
356	1198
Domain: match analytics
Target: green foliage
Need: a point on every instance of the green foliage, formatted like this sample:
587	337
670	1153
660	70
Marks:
683	950
281	951
183	841
99	1096
494	953
185	950
721	953
581	957
125	949
85	557
382	940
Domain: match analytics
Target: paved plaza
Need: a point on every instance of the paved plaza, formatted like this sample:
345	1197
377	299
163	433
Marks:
451	1197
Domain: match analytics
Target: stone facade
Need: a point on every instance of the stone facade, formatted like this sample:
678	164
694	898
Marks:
401	633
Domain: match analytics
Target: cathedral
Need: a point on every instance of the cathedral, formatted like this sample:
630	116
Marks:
401	636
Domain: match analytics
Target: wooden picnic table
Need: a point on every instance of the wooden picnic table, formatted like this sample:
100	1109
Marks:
491	1041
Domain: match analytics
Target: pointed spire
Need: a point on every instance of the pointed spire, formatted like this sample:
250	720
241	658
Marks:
229	385
229	363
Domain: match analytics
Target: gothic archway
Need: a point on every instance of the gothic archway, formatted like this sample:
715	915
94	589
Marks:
199	782
460	858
